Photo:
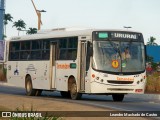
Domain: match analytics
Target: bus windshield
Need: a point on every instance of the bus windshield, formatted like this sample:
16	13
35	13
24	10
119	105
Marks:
118	56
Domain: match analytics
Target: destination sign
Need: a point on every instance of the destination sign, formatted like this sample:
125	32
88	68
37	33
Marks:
117	35
124	35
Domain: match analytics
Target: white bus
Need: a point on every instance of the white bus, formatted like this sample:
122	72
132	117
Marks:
76	62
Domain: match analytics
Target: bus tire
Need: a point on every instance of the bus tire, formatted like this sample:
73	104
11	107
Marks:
29	88
65	94
73	92
118	97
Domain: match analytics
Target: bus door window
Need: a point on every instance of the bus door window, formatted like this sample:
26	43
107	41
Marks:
88	55
46	49
45	54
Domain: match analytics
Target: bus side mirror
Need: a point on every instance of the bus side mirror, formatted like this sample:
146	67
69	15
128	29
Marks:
90	51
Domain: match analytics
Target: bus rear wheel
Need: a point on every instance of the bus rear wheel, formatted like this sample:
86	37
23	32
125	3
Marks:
73	92
118	97
29	88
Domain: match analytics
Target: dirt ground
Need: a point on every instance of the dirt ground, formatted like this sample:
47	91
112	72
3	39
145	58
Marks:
12	102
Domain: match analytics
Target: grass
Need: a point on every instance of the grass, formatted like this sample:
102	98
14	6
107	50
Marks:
153	83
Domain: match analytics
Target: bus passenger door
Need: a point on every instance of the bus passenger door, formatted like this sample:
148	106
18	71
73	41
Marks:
82	65
53	57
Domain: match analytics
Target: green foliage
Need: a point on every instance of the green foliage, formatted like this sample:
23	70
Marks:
32	31
154	65
7	17
20	25
150	59
151	41
4	36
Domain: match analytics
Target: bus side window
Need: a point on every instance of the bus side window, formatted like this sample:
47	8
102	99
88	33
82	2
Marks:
68	48
45	54
63	54
25	55
72	54
14	51
14	55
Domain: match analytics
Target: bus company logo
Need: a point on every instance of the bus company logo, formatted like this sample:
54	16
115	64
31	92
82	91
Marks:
123	35
63	66
125	79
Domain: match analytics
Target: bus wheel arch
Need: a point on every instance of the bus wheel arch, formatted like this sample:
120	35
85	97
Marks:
71	80
72	88
28	86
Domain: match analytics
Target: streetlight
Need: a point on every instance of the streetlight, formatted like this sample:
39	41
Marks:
127	27
38	12
39	18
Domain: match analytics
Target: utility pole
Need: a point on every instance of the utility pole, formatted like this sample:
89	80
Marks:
38	12
2	12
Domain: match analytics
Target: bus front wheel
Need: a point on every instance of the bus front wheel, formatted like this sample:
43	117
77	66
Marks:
29	88
73	92
118	97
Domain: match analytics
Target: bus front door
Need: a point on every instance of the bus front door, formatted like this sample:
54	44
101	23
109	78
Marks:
53	57
82	66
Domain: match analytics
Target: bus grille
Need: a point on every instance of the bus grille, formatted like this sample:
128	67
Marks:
119	82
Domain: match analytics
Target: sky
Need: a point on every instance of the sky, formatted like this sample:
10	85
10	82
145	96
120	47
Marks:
141	15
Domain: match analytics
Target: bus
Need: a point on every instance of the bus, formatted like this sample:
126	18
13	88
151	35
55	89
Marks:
76	62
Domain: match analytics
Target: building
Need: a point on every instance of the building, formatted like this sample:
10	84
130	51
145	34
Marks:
154	52
2	11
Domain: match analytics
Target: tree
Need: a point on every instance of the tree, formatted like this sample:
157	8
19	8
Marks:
32	31
20	24
149	58
7	17
151	41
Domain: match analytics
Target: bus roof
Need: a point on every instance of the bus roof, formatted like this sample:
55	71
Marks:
62	32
